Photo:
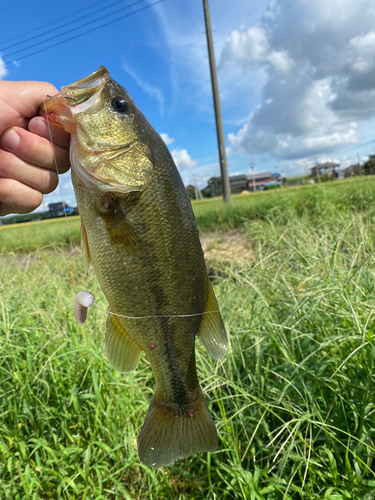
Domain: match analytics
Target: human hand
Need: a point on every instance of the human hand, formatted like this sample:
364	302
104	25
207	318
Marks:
27	165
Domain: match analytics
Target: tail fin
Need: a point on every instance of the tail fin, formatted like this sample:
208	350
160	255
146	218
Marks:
172	432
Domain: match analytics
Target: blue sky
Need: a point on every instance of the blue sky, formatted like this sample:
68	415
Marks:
296	78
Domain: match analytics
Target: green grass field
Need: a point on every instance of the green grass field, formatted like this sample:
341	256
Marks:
340	198
294	400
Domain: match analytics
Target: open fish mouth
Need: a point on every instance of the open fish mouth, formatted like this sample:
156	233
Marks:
82	90
72	98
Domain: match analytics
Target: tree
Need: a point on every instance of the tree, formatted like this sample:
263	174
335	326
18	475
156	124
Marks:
369	166
214	187
214	183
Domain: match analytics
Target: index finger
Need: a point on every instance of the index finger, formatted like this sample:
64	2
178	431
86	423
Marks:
26	97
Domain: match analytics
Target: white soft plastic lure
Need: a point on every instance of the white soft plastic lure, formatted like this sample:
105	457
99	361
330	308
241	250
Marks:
82	302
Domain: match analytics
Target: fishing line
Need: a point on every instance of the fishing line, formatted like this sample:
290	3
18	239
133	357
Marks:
59	183
157	315
85	299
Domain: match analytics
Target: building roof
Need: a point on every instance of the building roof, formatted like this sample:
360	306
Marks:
324	166
250	177
250	180
351	167
260	175
60	204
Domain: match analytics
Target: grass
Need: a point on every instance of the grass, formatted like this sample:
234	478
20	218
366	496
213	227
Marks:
290	202
341	197
30	236
293	401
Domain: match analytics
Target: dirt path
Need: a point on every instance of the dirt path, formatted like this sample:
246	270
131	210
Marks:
229	246
225	247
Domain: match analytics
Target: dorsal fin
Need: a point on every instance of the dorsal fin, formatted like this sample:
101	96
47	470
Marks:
212	332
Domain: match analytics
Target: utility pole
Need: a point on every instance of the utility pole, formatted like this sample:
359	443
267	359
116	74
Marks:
252	172
218	117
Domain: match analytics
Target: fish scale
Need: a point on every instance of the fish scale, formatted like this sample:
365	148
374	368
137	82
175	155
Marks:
140	236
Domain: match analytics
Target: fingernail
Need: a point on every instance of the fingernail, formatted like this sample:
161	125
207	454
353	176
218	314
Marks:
10	139
37	125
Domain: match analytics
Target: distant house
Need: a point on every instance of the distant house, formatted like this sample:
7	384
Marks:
328	168
238	181
355	169
57	209
190	188
253	182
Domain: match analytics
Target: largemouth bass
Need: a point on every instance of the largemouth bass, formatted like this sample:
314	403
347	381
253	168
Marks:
139	234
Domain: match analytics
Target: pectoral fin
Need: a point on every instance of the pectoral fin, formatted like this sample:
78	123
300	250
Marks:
119	228
122	352
85	248
122	232
212	332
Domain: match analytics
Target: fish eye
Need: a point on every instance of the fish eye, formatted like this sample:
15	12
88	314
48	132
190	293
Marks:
119	104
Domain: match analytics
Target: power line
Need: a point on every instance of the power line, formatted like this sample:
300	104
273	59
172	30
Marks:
74	29
63	25
47	24
84	32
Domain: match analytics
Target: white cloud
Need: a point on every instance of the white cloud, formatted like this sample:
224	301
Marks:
331	140
364	46
281	61
293	76
149	89
166	138
252	46
183	160
3	69
247	46
181	157
294	120
319	62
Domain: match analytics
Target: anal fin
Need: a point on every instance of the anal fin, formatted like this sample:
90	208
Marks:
212	332
122	352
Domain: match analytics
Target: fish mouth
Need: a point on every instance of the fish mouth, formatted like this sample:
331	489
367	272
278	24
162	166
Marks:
60	108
